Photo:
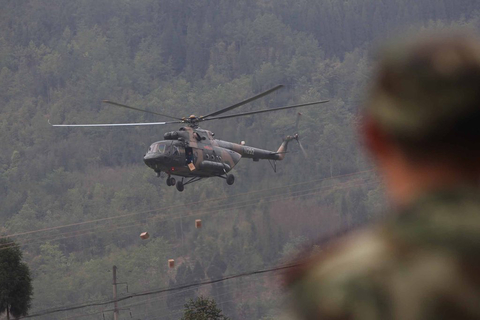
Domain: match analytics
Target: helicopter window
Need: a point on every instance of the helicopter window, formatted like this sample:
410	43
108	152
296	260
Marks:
175	150
161	148
179	148
200	135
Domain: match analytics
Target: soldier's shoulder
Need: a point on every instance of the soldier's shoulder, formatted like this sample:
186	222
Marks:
362	271
438	227
328	284
359	252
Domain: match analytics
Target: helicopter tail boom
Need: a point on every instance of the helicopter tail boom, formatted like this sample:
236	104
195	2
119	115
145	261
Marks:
256	153
282	150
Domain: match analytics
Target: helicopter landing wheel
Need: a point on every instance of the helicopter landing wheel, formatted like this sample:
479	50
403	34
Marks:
170	181
180	186
230	179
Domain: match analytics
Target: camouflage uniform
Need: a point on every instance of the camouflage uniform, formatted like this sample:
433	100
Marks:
423	262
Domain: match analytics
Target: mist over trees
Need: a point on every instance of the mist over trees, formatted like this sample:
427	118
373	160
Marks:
91	194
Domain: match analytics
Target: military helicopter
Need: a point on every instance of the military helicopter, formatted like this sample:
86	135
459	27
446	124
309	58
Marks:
193	153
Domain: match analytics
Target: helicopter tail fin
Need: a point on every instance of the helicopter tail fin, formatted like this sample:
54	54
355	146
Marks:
282	150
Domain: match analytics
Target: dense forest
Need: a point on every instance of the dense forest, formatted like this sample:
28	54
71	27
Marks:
77	199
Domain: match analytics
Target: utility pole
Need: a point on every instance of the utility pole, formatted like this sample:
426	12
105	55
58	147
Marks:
115	309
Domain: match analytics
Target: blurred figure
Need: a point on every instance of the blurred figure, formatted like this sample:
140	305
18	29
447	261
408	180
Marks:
421	125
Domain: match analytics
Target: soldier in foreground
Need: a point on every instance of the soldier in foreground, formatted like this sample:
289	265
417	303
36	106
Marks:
421	124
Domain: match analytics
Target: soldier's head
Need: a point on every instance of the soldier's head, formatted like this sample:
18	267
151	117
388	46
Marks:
425	102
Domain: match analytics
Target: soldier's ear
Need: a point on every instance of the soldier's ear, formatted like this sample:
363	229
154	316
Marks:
378	144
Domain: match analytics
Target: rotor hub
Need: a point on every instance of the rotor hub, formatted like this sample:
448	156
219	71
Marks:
192	121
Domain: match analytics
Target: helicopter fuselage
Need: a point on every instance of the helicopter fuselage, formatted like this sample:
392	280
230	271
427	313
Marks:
193	152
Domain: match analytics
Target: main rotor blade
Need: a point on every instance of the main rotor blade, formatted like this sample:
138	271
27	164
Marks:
241	103
137	109
114	124
269	110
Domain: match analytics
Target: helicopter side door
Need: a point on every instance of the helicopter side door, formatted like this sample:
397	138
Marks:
177	153
189	156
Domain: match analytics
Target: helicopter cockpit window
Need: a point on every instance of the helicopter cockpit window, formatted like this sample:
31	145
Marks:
157	148
153	148
161	148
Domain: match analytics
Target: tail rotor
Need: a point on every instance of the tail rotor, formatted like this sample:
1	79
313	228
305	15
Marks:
297	138
301	147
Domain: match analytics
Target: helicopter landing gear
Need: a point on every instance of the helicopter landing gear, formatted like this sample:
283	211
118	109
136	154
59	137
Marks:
180	186
170	181
230	179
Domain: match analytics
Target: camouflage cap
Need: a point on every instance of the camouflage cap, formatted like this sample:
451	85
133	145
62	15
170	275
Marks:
426	85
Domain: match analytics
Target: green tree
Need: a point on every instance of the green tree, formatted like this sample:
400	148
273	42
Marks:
15	282
202	309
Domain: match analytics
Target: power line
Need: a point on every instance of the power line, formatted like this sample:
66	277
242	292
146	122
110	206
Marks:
226	293
162	290
220	207
143	302
210	211
180	205
229	206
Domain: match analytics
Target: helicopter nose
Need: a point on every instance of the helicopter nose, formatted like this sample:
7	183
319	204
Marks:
151	159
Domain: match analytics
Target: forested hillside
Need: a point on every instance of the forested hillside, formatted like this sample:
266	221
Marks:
76	199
